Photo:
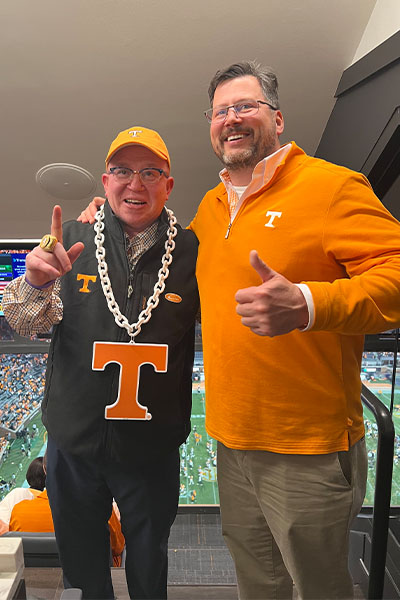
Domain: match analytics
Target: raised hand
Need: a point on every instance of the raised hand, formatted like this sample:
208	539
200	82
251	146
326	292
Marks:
43	267
274	307
88	214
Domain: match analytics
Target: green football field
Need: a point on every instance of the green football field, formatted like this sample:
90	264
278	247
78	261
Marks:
207	493
14	467
383	393
198	458
198	471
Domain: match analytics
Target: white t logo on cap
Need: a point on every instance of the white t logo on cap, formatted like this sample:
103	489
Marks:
135	132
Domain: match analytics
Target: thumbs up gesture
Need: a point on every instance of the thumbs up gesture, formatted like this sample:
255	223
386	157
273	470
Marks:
43	267
274	307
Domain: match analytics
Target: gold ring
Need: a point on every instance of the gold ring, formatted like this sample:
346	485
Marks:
48	243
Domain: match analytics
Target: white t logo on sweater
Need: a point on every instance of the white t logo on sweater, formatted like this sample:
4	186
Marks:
272	214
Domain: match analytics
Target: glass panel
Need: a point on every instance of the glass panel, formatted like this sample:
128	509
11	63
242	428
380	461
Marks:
376	373
198	471
23	436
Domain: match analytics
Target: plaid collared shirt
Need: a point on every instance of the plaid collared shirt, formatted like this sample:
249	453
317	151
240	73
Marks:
233	197
138	244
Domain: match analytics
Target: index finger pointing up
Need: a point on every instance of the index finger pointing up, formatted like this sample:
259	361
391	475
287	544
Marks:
56	223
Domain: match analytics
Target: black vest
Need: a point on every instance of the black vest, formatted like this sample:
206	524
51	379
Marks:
76	396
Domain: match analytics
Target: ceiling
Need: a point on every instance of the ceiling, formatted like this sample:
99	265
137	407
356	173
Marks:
75	73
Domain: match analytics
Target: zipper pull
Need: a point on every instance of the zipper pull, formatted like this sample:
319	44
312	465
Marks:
228	230
130	286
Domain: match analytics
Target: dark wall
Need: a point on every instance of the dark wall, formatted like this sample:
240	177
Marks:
367	98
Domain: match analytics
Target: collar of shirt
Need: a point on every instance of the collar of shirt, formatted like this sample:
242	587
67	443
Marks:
139	243
262	174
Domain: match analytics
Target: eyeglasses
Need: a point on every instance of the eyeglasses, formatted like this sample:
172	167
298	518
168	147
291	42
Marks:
147	175
244	108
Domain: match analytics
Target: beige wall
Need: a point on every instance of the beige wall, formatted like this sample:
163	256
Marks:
383	23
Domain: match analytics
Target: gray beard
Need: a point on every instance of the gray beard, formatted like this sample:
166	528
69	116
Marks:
242	160
249	157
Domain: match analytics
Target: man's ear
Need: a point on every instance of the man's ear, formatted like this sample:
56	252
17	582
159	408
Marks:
104	179
279	122
170	185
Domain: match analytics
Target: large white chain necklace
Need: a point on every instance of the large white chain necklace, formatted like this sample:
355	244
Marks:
133	329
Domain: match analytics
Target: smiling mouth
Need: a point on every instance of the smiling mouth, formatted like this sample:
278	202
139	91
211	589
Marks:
134	202
234	137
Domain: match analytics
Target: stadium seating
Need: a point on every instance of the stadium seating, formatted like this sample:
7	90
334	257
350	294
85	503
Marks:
40	549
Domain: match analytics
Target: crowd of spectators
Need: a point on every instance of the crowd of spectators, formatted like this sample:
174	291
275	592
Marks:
21	388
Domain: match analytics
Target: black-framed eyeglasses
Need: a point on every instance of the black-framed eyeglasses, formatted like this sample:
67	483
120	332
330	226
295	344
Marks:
147	175
244	108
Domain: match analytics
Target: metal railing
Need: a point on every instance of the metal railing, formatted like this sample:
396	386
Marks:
383	488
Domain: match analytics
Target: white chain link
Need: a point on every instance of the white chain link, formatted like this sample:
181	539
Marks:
133	329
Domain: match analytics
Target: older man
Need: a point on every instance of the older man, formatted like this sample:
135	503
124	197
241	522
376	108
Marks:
118	391
283	341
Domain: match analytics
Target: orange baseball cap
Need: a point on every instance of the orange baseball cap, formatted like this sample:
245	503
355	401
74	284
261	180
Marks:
143	137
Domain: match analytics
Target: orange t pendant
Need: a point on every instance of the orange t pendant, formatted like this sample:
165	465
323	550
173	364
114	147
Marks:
130	357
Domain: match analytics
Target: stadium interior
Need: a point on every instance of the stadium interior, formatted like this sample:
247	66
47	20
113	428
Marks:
364	73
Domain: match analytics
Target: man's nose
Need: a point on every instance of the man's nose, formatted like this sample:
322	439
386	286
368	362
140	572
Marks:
231	116
135	183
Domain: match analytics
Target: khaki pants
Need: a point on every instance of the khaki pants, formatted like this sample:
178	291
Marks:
286	518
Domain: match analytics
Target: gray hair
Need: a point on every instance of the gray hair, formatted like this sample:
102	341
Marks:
265	76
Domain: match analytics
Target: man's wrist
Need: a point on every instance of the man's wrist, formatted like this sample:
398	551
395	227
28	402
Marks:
39	287
305	290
